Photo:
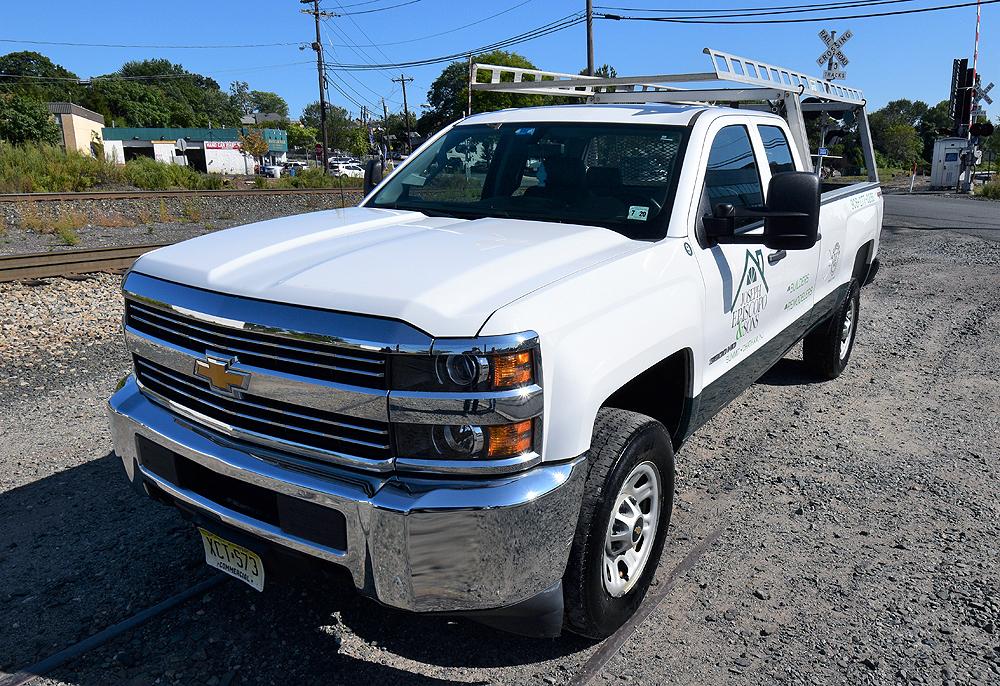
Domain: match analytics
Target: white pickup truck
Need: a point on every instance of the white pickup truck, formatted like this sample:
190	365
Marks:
468	391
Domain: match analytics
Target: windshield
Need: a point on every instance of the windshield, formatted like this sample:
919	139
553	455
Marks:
619	176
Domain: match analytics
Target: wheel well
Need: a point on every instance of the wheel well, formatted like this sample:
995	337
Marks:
862	261
662	392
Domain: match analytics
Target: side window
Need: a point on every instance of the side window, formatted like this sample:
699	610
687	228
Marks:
779	155
732	175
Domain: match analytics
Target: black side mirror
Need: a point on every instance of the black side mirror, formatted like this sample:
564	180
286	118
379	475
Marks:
792	219
373	175
791	215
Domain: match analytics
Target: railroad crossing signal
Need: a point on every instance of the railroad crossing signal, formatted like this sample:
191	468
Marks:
833	56
979	96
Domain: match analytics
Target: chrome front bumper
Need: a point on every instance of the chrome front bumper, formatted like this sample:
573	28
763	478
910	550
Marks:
418	544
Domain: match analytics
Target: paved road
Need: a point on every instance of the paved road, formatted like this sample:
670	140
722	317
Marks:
940	212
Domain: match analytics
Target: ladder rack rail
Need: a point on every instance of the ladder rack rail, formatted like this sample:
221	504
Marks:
751	81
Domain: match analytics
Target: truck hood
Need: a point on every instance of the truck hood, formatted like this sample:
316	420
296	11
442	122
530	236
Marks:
443	275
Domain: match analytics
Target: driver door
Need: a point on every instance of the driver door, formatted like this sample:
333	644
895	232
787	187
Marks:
753	294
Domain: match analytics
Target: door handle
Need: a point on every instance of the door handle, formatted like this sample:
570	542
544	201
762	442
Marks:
776	257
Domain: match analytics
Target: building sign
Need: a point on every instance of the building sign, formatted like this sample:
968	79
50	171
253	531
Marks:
222	145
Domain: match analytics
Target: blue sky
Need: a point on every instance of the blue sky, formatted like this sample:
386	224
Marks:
890	57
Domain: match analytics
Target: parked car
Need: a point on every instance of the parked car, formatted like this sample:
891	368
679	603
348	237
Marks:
272	170
349	170
468	391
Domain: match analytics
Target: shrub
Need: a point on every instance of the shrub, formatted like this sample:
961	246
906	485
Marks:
990	190
49	168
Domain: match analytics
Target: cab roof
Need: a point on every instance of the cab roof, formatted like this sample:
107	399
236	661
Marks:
678	115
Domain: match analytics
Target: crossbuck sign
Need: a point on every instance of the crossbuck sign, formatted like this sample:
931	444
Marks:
833	56
981	95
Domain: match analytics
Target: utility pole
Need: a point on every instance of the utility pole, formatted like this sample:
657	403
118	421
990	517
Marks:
590	37
385	133
318	47
403	80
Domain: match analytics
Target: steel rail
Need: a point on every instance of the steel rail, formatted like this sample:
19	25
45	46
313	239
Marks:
66	262
174	193
40	669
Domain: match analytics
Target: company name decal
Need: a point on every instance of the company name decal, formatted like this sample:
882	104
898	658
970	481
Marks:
751	295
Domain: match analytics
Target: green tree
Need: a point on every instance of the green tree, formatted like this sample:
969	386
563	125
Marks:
301	136
36	76
239	96
448	95
357	141
267	102
396	128
129	103
26	120
338	123
901	143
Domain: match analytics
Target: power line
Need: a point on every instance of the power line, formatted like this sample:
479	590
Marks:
362	31
215	46
444	33
146	77
821	5
376	9
770	11
870	15
552	27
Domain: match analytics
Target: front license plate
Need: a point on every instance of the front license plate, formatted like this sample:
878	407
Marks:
234	560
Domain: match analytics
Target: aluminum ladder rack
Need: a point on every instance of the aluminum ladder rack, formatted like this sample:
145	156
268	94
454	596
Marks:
733	81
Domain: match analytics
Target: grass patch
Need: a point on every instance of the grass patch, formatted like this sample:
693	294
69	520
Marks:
164	215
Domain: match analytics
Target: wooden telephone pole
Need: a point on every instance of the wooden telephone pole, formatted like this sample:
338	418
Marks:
318	47
403	80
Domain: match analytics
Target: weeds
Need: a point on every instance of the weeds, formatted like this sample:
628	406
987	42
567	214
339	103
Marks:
49	168
143	216
111	221
164	215
66	225
31	220
191	212
67	235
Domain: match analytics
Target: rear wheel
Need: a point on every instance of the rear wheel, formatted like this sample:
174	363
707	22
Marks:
827	350
623	522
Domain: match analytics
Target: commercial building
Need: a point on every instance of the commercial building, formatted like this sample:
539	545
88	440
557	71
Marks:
80	127
207	150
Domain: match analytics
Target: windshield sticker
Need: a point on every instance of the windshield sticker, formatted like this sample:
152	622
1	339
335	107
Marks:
638	213
525	131
414	180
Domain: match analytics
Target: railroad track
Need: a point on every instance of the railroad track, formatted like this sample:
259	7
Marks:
139	195
67	262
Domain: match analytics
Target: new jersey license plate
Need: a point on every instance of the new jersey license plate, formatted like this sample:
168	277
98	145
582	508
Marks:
234	560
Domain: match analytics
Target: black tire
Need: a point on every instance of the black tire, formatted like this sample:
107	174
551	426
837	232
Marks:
825	350
621	441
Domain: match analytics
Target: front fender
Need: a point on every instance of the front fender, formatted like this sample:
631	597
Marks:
601	328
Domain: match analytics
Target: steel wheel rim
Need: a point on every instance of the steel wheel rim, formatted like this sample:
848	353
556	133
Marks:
847	330
631	530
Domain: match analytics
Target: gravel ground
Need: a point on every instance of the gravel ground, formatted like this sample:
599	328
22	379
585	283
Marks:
134	222
859	521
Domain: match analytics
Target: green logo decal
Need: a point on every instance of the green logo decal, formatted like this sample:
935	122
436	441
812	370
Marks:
751	294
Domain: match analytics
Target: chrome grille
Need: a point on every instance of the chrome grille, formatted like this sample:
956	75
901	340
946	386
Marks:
298	356
302	430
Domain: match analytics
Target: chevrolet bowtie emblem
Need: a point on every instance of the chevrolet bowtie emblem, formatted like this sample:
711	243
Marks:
220	376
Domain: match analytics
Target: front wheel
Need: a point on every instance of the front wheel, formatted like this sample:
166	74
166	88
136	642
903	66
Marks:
827	350
623	522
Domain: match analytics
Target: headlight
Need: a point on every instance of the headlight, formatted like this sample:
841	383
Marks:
467	365
465	441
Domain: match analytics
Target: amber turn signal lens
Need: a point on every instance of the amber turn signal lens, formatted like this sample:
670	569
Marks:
509	440
514	369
